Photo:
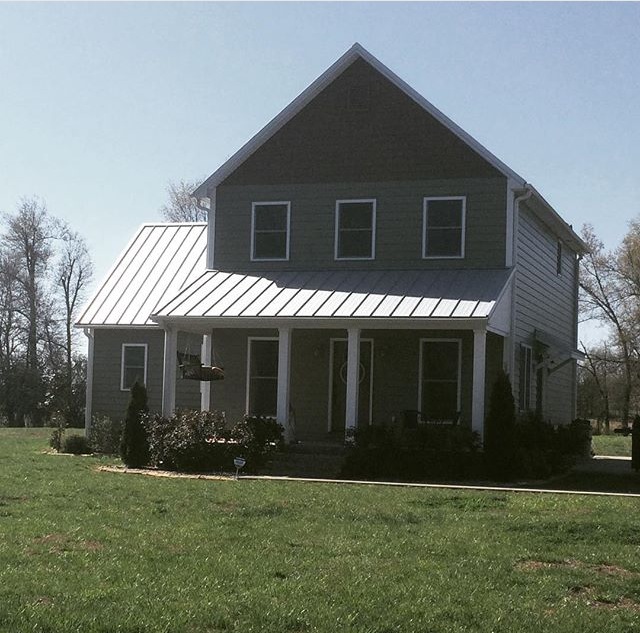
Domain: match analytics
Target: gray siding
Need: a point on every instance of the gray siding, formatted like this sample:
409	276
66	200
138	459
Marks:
398	224
546	301
108	399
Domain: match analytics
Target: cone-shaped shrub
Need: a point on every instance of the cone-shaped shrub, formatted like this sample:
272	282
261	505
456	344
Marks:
500	431
134	449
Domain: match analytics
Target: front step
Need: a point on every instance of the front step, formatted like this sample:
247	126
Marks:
299	461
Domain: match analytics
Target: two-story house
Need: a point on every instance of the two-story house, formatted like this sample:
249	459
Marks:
364	257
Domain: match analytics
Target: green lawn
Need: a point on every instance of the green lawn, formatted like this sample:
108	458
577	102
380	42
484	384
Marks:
616	445
89	551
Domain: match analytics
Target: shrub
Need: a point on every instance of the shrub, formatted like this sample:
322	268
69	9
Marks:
106	435
134	448
76	444
500	431
59	425
193	441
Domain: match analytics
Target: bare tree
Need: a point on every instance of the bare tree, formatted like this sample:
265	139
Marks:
181	206
603	296
74	271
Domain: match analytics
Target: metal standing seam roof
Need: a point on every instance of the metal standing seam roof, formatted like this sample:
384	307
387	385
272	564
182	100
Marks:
156	264
411	294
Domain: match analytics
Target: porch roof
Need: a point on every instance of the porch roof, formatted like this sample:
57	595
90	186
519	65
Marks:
339	295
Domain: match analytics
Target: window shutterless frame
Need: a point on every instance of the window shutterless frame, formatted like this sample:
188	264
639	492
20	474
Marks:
461	226
250	341
124	366
458	343
372	251
255	206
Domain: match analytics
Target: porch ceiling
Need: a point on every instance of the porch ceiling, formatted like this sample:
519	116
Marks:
402	295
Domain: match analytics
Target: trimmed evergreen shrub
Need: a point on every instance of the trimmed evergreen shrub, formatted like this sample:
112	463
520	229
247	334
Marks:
194	441
76	444
500	431
134	448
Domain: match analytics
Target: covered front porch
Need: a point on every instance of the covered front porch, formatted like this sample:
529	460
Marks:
326	353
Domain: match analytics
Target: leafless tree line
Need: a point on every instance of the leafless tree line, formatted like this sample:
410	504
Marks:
609	378
45	268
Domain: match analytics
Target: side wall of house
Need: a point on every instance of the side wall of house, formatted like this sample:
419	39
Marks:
399	218
546	301
108	398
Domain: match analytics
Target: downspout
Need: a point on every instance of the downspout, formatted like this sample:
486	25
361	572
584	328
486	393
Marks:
89	333
514	295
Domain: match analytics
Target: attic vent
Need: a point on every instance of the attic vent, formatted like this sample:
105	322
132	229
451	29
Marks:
358	98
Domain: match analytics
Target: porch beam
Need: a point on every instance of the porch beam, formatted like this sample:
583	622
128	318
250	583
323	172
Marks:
284	381
205	386
479	375
353	376
169	371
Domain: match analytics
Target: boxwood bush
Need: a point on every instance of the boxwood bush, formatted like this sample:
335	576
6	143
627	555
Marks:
195	441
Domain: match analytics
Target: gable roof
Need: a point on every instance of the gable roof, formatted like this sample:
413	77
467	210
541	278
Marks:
354	53
157	263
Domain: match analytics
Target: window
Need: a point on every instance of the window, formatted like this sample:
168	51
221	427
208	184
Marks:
440	379
262	377
355	229
443	227
134	365
524	398
270	222
559	258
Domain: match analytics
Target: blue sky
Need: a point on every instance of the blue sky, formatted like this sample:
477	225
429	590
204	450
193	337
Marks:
102	104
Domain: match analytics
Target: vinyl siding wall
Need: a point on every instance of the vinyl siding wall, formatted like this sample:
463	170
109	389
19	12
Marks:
108	399
399	211
546	301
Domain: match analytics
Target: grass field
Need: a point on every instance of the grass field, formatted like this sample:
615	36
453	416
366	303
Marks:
88	551
615	445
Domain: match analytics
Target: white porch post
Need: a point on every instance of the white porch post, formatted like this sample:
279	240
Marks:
205	386
284	376
169	371
353	379
479	367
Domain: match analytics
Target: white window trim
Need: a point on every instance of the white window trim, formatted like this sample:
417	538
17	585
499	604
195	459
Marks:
146	364
253	231
373	202
530	386
250	340
459	377
425	204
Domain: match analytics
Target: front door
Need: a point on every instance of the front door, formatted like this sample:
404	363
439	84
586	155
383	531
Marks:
338	396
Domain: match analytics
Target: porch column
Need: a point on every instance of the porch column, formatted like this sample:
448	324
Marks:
353	379
479	371
284	379
169	371
205	386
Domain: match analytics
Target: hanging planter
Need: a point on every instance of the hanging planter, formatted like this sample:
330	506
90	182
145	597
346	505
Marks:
192	369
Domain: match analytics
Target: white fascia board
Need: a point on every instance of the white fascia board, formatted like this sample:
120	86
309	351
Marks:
206	324
355	52
499	319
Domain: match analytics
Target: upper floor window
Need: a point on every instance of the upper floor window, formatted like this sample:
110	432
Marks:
443	223
270	224
355	229
133	365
